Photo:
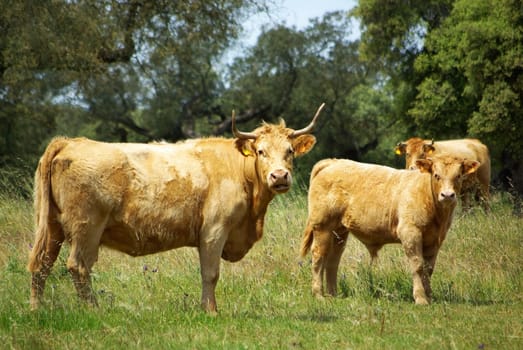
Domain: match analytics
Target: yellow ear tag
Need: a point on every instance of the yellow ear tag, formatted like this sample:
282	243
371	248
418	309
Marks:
430	152
246	152
397	151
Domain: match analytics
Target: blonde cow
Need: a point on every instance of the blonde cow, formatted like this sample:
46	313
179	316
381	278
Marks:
416	148
381	205
211	194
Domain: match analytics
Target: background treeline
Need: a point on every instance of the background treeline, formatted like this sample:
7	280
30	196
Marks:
134	70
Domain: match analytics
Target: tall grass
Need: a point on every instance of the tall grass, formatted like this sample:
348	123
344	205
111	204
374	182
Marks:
265	301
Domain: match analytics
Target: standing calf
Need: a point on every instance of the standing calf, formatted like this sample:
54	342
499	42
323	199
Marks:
381	205
416	148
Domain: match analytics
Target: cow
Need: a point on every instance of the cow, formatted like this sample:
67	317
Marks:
416	148
139	199
381	205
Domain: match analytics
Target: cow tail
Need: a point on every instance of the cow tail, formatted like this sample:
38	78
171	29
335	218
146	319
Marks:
306	242
42	204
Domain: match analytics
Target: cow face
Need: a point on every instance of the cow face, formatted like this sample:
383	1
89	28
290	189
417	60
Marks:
275	148
414	149
447	175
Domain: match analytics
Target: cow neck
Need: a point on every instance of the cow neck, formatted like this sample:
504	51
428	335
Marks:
259	196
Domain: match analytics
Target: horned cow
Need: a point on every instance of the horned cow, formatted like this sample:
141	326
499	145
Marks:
381	205
211	194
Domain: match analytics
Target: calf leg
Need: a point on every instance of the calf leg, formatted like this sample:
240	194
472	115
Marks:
81	259
85	240
414	251
320	250
332	260
41	271
429	255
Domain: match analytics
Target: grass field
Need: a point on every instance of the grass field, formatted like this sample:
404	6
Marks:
264	300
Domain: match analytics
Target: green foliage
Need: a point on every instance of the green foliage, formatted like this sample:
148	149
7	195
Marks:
472	69
115	71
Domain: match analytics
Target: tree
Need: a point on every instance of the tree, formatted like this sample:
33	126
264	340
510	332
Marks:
473	74
115	67
463	75
290	72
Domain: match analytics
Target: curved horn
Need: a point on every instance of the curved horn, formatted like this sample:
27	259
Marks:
309	127
240	134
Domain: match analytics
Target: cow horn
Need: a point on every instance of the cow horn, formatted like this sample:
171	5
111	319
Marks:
240	134
309	127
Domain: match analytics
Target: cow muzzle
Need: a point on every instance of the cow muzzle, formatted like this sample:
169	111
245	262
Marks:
279	180
447	196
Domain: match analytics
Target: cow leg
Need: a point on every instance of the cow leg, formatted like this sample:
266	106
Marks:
210	252
40	273
320	251
429	256
465	200
484	196
80	262
412	244
332	261
85	240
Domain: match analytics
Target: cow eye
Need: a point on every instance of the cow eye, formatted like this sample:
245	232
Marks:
290	151
261	152
437	177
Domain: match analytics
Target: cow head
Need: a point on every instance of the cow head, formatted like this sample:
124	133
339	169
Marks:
414	149
274	148
447	175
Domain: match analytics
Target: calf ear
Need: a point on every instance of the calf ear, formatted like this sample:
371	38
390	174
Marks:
303	144
400	148
246	147
424	165
470	166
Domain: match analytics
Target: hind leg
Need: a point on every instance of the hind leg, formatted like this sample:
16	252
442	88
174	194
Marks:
41	271
85	241
320	250
333	260
79	264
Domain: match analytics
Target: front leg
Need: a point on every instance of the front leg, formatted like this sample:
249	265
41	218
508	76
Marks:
210	252
429	255
413	246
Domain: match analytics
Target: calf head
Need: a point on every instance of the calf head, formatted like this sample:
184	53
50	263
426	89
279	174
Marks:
413	149
274	148
447	175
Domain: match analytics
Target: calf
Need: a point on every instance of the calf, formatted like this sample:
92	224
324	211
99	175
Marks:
416	148
381	205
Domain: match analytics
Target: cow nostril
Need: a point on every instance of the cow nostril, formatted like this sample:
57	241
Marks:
279	174
449	195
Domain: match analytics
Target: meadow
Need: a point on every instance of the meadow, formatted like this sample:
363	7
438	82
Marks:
264	300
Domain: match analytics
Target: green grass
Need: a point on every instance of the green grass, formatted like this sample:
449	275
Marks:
264	300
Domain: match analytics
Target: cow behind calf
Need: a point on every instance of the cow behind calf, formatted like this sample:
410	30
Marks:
416	148
140	199
381	205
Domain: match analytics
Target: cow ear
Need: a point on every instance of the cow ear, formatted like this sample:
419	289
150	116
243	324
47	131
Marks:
303	144
424	165
428	149
470	166
400	148
246	147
